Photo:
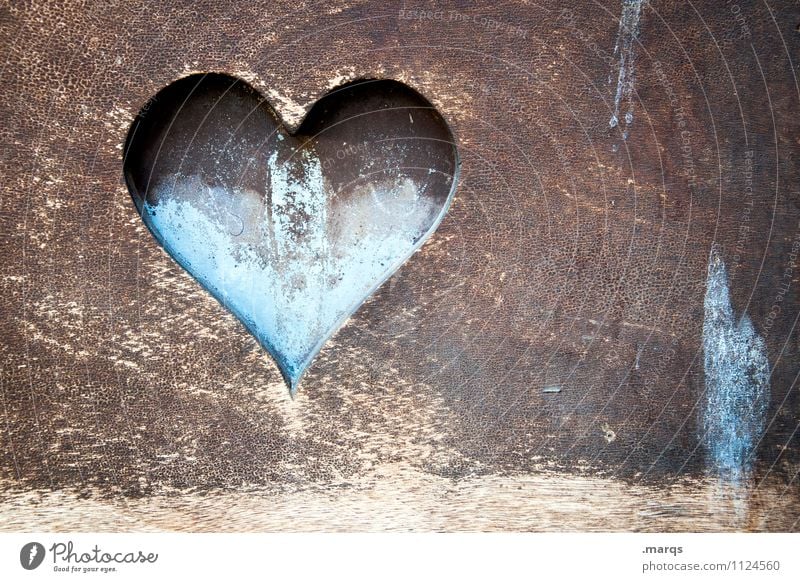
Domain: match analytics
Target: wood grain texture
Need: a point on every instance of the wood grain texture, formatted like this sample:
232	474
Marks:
572	256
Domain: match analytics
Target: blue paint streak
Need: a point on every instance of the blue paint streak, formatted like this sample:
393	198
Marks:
626	51
736	379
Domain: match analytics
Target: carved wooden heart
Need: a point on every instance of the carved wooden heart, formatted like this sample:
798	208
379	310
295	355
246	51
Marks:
290	232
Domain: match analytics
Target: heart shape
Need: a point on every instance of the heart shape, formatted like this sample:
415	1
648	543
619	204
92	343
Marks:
292	233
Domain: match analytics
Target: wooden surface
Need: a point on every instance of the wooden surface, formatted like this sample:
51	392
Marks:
574	257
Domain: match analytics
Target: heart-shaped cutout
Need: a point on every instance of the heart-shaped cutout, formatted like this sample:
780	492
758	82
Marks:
292	233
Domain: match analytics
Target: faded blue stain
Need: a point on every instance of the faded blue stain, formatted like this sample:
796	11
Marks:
736	380
625	51
295	268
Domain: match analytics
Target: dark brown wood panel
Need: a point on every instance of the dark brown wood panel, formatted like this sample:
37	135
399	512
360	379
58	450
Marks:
538	364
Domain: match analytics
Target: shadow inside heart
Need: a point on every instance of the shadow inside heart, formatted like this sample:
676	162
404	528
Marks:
290	232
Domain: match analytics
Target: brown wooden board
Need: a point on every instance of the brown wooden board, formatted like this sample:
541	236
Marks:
537	365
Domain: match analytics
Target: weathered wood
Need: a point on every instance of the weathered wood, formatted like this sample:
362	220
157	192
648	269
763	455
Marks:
574	255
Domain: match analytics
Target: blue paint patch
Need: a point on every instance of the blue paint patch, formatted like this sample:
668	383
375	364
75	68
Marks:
625	51
736	378
295	264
